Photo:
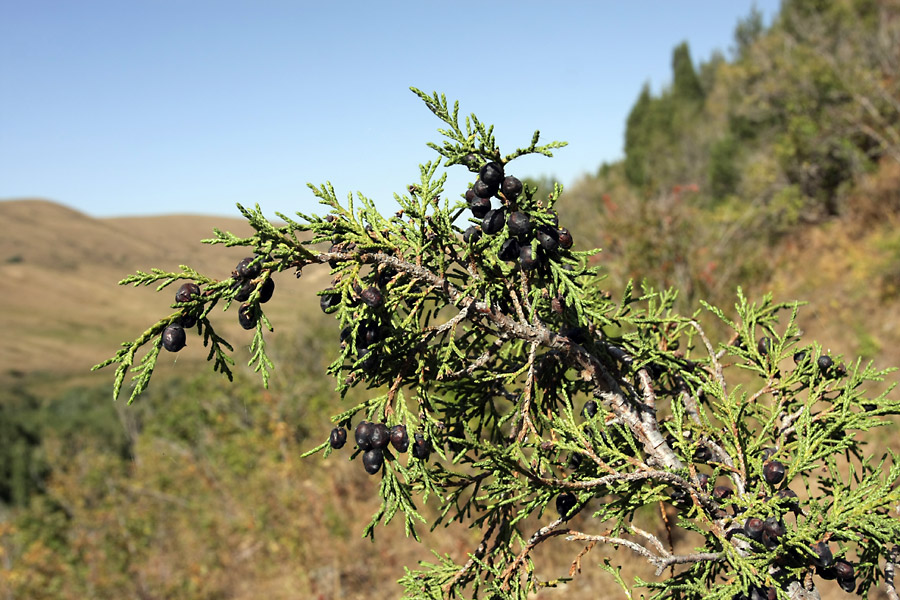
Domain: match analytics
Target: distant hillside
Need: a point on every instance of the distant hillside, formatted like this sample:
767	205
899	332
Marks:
62	310
740	154
777	168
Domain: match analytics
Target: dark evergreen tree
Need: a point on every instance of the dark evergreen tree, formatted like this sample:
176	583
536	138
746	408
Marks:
724	173
748	31
638	132
686	85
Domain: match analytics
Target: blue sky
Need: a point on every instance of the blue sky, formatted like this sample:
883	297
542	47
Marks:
175	106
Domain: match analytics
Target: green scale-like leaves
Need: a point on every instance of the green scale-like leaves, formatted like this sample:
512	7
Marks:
528	385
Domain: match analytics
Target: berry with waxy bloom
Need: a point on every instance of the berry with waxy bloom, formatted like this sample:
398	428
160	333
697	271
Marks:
491	173
519	224
511	187
373	459
722	492
480	207
367	334
565	503
247	269
386	275
187	292
492	222
843	569
268	288
244	291
421	449
329	300
773	471
247	316
509	251
554	217
379	436
399	438
174	338
363	435
338	438
754	528
548	238
368	359
483	190
773	529
789	497
826	573
822	556
471	161
575	460
187	320
527	258
372	297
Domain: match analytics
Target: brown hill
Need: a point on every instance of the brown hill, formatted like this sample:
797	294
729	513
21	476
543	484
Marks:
62	310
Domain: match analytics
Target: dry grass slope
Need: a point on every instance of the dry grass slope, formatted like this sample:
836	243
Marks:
62	310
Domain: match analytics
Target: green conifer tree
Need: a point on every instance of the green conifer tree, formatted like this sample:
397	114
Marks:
685	85
638	131
525	401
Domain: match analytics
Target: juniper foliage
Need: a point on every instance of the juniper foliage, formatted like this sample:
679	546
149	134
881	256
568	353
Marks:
544	407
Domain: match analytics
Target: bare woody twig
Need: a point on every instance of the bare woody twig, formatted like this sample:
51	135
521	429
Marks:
665	476
462	576
652	539
660	562
889	568
717	366
479	362
542	534
648	409
527	396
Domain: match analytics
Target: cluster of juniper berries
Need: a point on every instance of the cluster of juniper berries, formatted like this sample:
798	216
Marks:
369	332
766	534
527	242
245	283
174	337
372	440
